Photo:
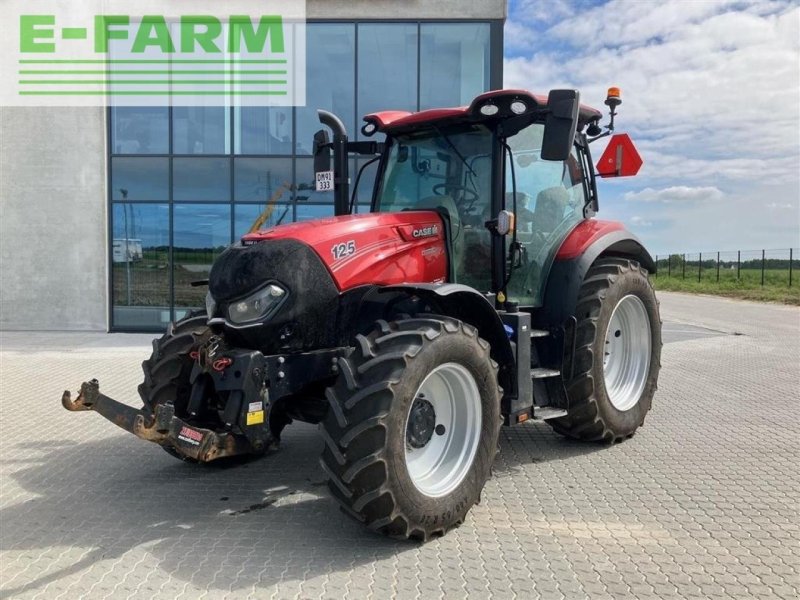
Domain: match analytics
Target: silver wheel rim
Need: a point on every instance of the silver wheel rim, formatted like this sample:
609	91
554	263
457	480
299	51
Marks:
626	361
440	465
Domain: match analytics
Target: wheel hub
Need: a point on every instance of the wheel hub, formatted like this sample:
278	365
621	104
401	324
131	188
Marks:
626	360
421	423
447	403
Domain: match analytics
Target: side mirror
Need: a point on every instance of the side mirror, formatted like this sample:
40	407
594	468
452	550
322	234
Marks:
322	152
561	124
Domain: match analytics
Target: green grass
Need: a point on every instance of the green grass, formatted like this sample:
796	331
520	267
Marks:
747	286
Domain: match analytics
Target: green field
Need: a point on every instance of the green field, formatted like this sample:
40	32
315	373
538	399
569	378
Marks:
747	286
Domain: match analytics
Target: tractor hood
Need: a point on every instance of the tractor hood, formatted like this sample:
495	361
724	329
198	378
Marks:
374	248
310	266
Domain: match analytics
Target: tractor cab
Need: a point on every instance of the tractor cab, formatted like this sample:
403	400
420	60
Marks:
509	174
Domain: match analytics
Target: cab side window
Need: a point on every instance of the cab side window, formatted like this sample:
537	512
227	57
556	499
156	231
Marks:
549	203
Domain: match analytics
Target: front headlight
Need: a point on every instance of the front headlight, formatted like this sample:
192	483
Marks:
257	305
211	305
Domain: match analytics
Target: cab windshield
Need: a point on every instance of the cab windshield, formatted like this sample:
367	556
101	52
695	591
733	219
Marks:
449	170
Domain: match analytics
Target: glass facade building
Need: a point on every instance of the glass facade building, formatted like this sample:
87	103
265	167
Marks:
186	182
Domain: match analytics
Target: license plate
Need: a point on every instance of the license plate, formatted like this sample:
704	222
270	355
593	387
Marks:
324	181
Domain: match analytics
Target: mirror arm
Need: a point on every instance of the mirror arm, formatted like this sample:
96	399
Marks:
597	137
610	127
366	147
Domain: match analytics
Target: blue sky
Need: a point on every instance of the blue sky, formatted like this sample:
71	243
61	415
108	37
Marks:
711	97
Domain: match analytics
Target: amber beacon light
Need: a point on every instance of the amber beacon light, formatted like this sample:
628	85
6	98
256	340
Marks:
614	97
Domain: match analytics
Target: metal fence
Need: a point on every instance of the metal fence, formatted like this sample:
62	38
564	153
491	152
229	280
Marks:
764	267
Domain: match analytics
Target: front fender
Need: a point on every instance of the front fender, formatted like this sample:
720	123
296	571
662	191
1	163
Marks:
470	306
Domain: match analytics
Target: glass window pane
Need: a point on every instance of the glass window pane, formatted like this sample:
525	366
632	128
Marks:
140	130
201	130
201	233
140	179
454	63
305	182
262	179
263	130
387	67
206	179
306	212
330	69
139	265
256	216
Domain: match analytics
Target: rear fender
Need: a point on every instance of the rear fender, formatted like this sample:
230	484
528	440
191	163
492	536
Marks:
586	243
470	306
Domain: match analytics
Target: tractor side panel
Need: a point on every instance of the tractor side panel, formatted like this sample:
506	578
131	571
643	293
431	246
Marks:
373	249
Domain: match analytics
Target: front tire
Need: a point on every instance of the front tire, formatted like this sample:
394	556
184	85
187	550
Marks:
413	425
617	354
167	371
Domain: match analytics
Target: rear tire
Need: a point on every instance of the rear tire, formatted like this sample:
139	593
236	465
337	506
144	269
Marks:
379	424
617	354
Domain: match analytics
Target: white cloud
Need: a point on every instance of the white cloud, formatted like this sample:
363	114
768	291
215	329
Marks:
708	82
517	37
629	22
640	221
664	161
677	193
536	11
711	95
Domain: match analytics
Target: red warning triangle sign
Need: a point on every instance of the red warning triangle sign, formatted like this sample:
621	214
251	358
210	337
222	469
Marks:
620	158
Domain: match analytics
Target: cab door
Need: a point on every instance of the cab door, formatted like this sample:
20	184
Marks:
550	201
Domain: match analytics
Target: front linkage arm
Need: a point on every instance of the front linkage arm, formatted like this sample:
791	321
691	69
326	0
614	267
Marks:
162	428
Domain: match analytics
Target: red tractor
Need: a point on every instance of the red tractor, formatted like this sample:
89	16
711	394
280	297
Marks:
479	291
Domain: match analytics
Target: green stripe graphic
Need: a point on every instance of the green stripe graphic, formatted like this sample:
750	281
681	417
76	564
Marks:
152	82
151	72
145	93
153	62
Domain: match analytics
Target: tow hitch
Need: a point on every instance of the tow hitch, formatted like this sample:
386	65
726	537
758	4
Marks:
162	427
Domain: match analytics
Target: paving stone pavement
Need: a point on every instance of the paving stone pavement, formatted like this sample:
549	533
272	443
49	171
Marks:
701	503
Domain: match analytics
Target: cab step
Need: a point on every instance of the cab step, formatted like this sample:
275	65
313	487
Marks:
542	413
539	333
541	373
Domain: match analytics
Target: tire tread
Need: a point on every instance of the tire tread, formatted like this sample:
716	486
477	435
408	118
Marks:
360	402
585	420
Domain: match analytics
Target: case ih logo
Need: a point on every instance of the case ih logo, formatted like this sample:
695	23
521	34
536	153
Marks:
426	231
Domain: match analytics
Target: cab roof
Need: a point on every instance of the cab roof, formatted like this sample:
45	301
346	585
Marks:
398	121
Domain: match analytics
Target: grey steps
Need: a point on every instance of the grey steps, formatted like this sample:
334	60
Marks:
542	413
538	333
543	373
